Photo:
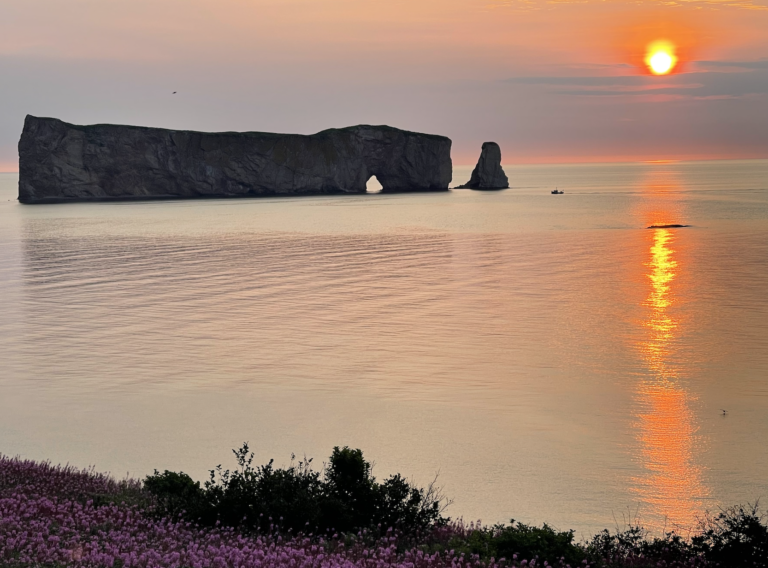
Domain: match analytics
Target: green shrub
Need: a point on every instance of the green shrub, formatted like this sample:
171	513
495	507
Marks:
521	541
735	537
635	547
176	493
344	497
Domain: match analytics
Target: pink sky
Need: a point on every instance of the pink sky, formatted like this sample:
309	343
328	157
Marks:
550	81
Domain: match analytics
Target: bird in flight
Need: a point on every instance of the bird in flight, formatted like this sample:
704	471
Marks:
174	92
724	411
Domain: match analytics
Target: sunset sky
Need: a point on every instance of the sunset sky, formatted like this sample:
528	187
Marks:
549	81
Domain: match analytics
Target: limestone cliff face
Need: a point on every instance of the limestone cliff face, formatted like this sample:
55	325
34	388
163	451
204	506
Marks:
488	174
64	162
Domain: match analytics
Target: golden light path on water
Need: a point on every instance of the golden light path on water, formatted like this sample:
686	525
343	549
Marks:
672	484
553	359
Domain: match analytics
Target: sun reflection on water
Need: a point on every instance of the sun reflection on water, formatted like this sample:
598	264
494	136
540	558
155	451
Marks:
671	486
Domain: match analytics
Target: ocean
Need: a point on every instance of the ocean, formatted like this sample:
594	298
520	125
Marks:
547	357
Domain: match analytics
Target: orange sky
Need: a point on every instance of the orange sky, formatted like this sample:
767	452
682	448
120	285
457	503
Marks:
550	81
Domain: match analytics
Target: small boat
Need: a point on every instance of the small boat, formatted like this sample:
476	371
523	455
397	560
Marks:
557	192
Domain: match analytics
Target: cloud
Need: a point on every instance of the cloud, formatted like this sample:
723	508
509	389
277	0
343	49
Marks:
580	80
737	66
631	89
711	80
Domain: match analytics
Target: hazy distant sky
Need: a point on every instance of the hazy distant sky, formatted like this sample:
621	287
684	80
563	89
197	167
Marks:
550	81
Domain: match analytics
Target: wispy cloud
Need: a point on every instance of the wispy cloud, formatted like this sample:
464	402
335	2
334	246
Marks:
733	66
624	89
711	80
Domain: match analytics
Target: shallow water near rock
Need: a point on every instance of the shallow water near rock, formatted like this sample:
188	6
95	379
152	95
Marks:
554	359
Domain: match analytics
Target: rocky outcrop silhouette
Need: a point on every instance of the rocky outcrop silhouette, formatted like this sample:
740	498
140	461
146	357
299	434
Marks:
488	174
65	162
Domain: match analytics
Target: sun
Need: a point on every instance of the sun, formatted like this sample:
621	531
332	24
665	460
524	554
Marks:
661	63
660	57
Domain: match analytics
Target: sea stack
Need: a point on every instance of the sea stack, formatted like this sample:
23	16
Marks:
61	162
488	174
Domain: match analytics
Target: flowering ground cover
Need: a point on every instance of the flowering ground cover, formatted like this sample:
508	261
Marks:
49	516
60	516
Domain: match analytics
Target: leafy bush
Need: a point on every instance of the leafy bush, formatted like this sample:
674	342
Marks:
735	537
344	497
518	541
176	494
635	547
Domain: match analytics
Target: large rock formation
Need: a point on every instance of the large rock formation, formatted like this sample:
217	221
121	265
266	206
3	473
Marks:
65	162
488	174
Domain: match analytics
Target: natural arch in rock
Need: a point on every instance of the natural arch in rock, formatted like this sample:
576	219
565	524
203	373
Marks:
62	162
373	185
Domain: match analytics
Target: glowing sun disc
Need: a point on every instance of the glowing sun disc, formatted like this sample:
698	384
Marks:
661	63
661	58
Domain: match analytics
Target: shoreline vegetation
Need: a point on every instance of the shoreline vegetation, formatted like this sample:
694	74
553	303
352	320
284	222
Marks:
338	516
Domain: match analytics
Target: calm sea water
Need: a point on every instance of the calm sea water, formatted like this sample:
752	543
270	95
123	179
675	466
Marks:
550	357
